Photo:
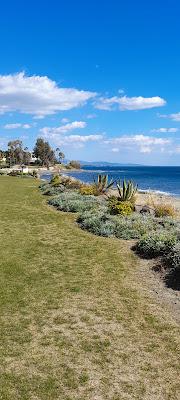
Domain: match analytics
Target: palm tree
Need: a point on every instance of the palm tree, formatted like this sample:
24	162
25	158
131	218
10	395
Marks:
61	156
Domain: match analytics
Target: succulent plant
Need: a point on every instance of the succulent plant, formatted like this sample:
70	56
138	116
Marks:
102	184
126	190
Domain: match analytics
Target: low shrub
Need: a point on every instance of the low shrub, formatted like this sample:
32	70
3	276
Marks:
97	222
73	183
15	173
172	261
134	226
123	227
157	244
164	210
44	186
120	207
74	164
55	181
74	202
87	190
53	190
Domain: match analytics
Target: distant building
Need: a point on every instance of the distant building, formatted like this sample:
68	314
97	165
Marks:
33	158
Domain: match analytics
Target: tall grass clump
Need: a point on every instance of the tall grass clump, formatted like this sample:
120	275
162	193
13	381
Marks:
164	210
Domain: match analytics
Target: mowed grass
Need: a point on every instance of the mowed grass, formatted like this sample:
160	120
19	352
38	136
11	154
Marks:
73	324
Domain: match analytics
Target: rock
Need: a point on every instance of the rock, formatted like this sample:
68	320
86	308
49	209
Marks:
147	210
144	209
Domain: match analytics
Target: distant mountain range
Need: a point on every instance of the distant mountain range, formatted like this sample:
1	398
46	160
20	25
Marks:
106	164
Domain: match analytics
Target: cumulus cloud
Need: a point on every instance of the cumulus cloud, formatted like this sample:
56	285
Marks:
165	130
38	95
173	117
16	126
75	140
140	140
129	103
50	132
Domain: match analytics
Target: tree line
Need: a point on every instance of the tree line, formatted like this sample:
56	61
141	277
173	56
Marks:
16	153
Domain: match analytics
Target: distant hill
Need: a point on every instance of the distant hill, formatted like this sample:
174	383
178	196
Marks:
106	164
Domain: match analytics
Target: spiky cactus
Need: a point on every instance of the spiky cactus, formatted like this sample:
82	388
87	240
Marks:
127	190
102	184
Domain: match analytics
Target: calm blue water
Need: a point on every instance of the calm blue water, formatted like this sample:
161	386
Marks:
163	179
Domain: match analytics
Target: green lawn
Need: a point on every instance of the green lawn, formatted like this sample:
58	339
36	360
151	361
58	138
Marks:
72	327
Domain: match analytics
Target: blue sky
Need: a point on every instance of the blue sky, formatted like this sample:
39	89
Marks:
99	79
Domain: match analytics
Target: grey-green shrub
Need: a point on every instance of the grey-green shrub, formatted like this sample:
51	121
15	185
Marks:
74	202
97	221
54	190
172	277
103	224
44	186
134	226
157	244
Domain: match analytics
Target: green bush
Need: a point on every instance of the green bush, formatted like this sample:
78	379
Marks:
157	244
55	181
87	190
121	207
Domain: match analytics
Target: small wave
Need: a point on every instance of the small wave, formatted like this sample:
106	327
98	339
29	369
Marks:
153	191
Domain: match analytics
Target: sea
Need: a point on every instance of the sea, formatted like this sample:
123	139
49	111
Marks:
162	180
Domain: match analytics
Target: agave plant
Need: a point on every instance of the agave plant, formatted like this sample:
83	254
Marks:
126	190
102	184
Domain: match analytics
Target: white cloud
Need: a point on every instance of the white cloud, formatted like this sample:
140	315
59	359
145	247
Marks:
65	120
115	149
16	126
91	116
121	91
38	95
129	103
75	140
140	140
137	143
165	130
173	117
49	132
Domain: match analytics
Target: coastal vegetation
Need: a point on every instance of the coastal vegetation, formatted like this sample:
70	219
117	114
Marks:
155	228
76	320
